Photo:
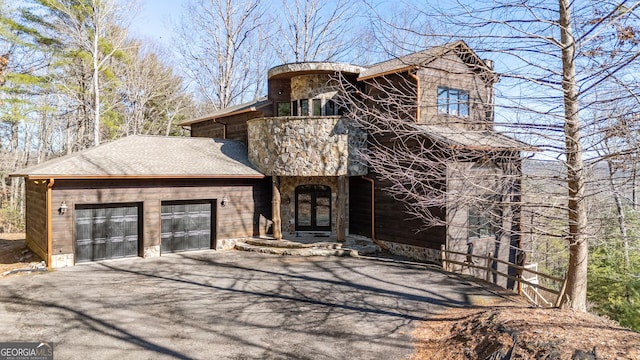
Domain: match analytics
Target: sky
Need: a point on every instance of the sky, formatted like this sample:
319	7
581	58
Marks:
155	19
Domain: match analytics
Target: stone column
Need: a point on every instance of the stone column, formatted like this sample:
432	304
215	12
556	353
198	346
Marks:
275	208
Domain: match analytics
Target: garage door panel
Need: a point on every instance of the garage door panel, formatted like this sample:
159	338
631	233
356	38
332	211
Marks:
186	226
117	247
98	249
106	232
84	249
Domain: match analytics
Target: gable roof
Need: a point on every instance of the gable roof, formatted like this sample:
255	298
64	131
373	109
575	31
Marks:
151	157
250	106
473	139
422	58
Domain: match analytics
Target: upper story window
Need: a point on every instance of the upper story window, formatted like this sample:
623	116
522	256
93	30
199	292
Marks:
479	224
310	107
453	101
284	109
317	107
304	107
329	107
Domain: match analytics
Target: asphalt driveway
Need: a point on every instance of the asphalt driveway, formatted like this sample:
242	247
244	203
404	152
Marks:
229	305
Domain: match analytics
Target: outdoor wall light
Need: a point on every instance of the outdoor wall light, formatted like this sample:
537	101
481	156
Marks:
224	201
63	208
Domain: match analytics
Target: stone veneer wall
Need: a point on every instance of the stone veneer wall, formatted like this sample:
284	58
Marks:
306	146
312	86
414	252
288	199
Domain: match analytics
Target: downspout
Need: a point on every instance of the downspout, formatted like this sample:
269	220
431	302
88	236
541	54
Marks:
373	215
417	79
49	216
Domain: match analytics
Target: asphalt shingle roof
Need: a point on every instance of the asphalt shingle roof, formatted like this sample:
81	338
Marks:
151	157
420	58
249	106
473	139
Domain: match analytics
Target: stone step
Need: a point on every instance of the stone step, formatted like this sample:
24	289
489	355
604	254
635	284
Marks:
306	251
291	244
369	249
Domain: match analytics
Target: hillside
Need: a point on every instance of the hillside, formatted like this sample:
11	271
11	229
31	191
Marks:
512	331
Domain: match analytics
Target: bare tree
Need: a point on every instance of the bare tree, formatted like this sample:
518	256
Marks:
314	30
616	126
217	40
152	95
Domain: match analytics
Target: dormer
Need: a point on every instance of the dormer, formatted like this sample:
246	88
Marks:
449	84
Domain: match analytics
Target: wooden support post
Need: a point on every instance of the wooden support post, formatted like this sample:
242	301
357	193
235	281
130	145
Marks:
342	209
443	255
488	266
560	299
519	287
275	208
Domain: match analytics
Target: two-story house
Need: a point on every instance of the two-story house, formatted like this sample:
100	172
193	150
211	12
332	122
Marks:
285	165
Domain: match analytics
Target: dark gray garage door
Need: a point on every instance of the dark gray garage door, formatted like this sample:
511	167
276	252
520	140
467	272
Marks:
186	225
106	231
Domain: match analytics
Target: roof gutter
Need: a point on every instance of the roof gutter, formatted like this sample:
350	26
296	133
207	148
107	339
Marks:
139	177
492	148
385	73
253	108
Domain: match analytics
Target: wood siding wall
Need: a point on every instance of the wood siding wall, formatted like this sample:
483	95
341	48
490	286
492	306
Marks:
394	224
236	127
401	88
208	129
279	91
359	206
247	212
36	216
452	72
449	71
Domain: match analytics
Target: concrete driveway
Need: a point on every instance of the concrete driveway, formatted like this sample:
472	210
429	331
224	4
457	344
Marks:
229	305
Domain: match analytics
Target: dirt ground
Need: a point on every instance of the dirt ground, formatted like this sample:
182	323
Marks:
509	330
512	331
14	253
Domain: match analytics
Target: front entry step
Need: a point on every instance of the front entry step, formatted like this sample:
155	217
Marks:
292	244
293	251
295	248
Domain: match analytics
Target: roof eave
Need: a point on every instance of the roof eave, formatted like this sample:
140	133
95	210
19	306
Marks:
98	177
389	72
493	148
253	108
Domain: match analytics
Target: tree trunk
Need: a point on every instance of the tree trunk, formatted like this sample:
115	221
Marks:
634	173
277	222
96	87
622	223
576	290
